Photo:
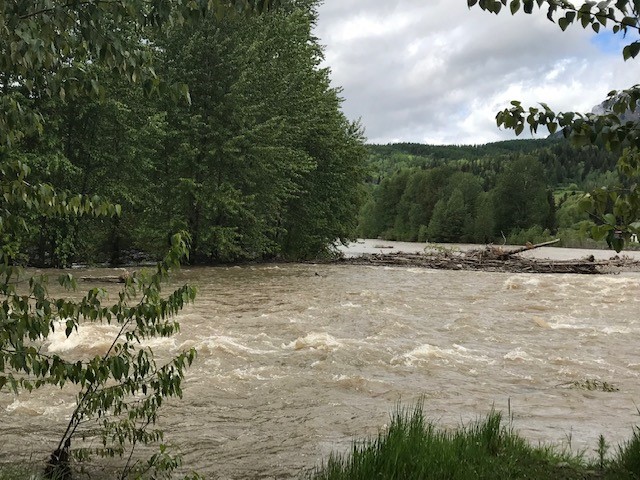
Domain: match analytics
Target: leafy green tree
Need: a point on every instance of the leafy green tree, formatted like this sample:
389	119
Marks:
449	219
617	210
611	128
267	164
387	198
106	147
424	189
520	196
484	224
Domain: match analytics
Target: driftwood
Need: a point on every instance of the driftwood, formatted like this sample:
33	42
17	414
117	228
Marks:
108	278
528	247
495	259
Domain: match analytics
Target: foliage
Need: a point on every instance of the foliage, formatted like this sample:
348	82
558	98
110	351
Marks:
531	235
121	390
412	447
497	196
260	164
268	166
46	45
448	220
617	210
627	460
520	196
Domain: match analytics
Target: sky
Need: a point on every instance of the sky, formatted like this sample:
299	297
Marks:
437	72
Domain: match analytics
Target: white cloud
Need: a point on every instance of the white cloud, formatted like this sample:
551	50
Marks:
434	71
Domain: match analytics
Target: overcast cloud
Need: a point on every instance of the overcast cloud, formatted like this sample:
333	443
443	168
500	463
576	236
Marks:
433	71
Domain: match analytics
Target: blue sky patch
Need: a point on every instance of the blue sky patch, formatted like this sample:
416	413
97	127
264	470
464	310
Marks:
611	43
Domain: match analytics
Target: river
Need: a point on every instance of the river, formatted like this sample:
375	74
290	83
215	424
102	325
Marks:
297	360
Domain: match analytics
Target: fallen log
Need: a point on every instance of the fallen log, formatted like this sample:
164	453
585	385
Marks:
108	278
530	246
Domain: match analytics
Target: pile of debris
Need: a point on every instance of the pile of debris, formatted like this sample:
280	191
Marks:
495	259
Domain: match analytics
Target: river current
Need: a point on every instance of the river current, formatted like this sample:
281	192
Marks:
298	360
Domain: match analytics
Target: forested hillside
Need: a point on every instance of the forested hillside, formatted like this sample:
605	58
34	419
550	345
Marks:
260	164
518	191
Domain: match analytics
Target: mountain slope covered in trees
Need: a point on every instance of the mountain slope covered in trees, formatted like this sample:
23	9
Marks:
519	190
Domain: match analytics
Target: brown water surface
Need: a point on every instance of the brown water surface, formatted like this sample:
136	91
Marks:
296	361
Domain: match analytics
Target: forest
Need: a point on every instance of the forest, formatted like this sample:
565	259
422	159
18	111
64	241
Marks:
258	162
514	191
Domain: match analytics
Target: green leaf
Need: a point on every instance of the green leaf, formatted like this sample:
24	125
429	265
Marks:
598	232
631	50
615	240
563	23
528	6
610	219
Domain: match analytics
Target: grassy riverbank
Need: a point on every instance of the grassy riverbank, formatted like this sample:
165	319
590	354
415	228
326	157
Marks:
413	448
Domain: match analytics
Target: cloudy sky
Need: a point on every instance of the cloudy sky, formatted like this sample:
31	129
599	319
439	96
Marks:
433	71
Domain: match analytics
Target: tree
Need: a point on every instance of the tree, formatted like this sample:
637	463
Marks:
520	196
48	50
484	221
387	198
261	163
609	129
448	219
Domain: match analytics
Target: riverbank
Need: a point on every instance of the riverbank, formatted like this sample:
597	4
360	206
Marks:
414	448
366	246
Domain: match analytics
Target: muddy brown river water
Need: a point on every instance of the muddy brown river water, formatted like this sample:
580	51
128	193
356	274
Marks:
297	360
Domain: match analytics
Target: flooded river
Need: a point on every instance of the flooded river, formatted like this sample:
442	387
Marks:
296	360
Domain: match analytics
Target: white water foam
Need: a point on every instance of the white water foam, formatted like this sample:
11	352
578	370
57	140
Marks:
316	341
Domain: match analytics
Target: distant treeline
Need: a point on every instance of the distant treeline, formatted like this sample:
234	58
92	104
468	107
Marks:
520	190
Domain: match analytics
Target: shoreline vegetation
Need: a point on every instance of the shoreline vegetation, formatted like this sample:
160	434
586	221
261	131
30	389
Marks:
414	448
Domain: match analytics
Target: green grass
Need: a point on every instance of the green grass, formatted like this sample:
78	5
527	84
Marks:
413	448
